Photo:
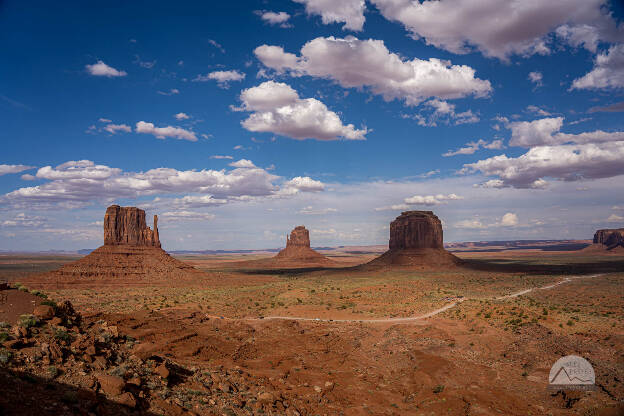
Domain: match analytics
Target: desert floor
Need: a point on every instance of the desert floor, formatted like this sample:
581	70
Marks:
477	340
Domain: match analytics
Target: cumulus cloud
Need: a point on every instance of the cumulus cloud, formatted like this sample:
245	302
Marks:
472	147
83	182
536	78
276	108
503	28
426	200
608	71
349	12
564	162
114	128
6	169
509	219
615	218
545	131
539	111
182	116
164	132
275	18
355	63
243	163
102	70
223	78
443	112
304	184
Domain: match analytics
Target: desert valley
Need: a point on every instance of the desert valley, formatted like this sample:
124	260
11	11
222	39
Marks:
312	208
416	330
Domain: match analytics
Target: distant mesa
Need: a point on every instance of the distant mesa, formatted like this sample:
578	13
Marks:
416	240
131	251
608	240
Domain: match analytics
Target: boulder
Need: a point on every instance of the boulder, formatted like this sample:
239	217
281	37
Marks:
127	226
44	312
111	385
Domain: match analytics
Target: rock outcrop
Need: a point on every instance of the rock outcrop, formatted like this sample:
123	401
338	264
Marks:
610	238
416	229
298	247
127	226
416	240
131	251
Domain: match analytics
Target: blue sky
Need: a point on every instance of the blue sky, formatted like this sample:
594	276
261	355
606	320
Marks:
237	122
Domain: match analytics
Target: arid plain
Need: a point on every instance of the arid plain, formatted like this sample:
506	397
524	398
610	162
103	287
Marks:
244	335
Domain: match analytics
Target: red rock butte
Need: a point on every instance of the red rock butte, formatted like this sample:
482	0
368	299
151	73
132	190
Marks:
607	241
416	240
298	247
131	251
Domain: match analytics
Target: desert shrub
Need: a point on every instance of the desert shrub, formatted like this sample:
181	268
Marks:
49	302
5	325
62	335
3	336
53	371
39	293
438	389
5	356
28	321
570	322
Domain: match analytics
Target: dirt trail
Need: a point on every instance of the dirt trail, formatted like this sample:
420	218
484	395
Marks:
410	318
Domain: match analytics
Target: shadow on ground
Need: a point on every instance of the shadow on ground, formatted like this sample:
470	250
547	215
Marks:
26	395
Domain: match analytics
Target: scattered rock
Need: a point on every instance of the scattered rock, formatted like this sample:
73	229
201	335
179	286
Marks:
127	399
13	344
56	321
266	397
111	385
44	312
162	370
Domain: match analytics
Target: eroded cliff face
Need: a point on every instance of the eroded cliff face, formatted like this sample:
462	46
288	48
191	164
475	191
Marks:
611	238
416	229
127	226
299	237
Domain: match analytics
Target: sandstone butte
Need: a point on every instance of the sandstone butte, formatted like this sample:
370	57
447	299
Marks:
610	240
416	240
131	251
298	248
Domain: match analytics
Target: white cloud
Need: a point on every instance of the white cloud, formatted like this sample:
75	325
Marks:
277	108
221	157
276	18
545	131
114	128
172	91
474	223
82	182
305	184
472	147
103	70
615	218
104	120
427	200
535	109
563	162
164	132
443	112
182	116
223	78
186	216
243	163
608	71
310	210
509	220
355	63
503	28
216	45
536	78
24	220
351	12
6	169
